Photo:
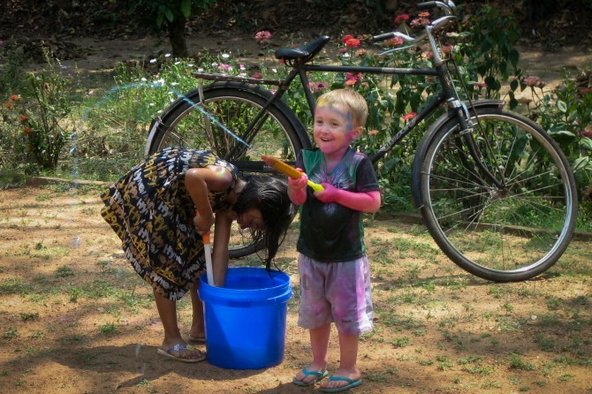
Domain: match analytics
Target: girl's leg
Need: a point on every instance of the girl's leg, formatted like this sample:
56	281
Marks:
197	324
173	344
167	310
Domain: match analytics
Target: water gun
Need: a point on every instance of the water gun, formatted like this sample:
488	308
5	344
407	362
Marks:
290	171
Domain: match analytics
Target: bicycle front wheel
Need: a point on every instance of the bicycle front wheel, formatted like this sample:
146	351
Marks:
228	119
500	201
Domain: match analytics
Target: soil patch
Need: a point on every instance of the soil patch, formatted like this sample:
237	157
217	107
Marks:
75	318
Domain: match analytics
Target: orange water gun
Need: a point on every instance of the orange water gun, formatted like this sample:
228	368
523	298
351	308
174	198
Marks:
290	171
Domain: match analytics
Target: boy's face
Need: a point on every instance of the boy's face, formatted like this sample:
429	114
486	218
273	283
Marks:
333	128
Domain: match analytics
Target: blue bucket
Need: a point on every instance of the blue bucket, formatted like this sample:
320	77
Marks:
245	320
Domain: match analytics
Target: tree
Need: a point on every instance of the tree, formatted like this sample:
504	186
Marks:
173	15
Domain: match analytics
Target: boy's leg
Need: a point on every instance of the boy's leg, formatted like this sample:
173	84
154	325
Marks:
314	312
319	343
348	355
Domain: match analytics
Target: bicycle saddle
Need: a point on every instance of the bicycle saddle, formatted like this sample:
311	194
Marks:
308	50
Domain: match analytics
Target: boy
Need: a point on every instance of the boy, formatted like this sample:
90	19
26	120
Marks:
332	262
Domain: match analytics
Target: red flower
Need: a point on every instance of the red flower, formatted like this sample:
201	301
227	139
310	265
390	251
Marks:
28	130
346	38
587	132
23	118
401	18
408	116
352	43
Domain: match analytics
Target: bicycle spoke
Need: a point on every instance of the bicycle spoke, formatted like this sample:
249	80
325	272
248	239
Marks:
507	229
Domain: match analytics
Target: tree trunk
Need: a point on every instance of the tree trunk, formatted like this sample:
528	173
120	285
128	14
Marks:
177	37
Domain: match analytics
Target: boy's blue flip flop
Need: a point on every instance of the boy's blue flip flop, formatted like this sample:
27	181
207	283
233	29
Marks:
318	376
351	383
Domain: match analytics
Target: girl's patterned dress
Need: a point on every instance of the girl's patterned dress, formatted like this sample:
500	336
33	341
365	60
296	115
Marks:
151	211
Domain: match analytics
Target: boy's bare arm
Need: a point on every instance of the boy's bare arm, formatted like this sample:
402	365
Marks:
368	202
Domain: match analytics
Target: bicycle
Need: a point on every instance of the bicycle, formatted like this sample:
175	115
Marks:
478	173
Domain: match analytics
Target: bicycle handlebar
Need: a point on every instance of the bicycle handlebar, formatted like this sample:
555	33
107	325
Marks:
446	5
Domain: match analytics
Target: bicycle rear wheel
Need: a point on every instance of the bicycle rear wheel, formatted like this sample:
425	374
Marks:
221	118
500	201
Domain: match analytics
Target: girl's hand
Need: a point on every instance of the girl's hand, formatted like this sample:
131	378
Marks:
298	183
203	223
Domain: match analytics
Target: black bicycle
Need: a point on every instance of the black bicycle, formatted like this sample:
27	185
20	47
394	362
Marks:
495	191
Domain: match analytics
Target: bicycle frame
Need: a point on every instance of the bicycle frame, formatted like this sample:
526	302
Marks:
446	94
300	68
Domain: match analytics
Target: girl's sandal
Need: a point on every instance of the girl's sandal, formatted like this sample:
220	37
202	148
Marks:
184	353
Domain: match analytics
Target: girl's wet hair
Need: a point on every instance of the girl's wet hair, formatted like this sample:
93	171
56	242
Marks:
269	194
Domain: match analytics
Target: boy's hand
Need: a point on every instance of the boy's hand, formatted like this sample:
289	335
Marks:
298	183
329	194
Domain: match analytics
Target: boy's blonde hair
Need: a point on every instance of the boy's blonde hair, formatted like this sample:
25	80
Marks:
352	100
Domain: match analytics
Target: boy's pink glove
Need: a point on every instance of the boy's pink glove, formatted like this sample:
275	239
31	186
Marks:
298	183
329	194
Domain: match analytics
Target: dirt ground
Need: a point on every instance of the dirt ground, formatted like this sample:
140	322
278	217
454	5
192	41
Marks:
75	319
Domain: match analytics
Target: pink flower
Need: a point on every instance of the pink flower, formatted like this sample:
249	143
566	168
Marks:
401	18
317	87
352	78
257	75
224	67
263	36
394	42
423	19
533	81
587	132
408	116
373	132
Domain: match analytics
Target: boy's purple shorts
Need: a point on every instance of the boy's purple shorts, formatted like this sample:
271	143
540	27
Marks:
335	292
